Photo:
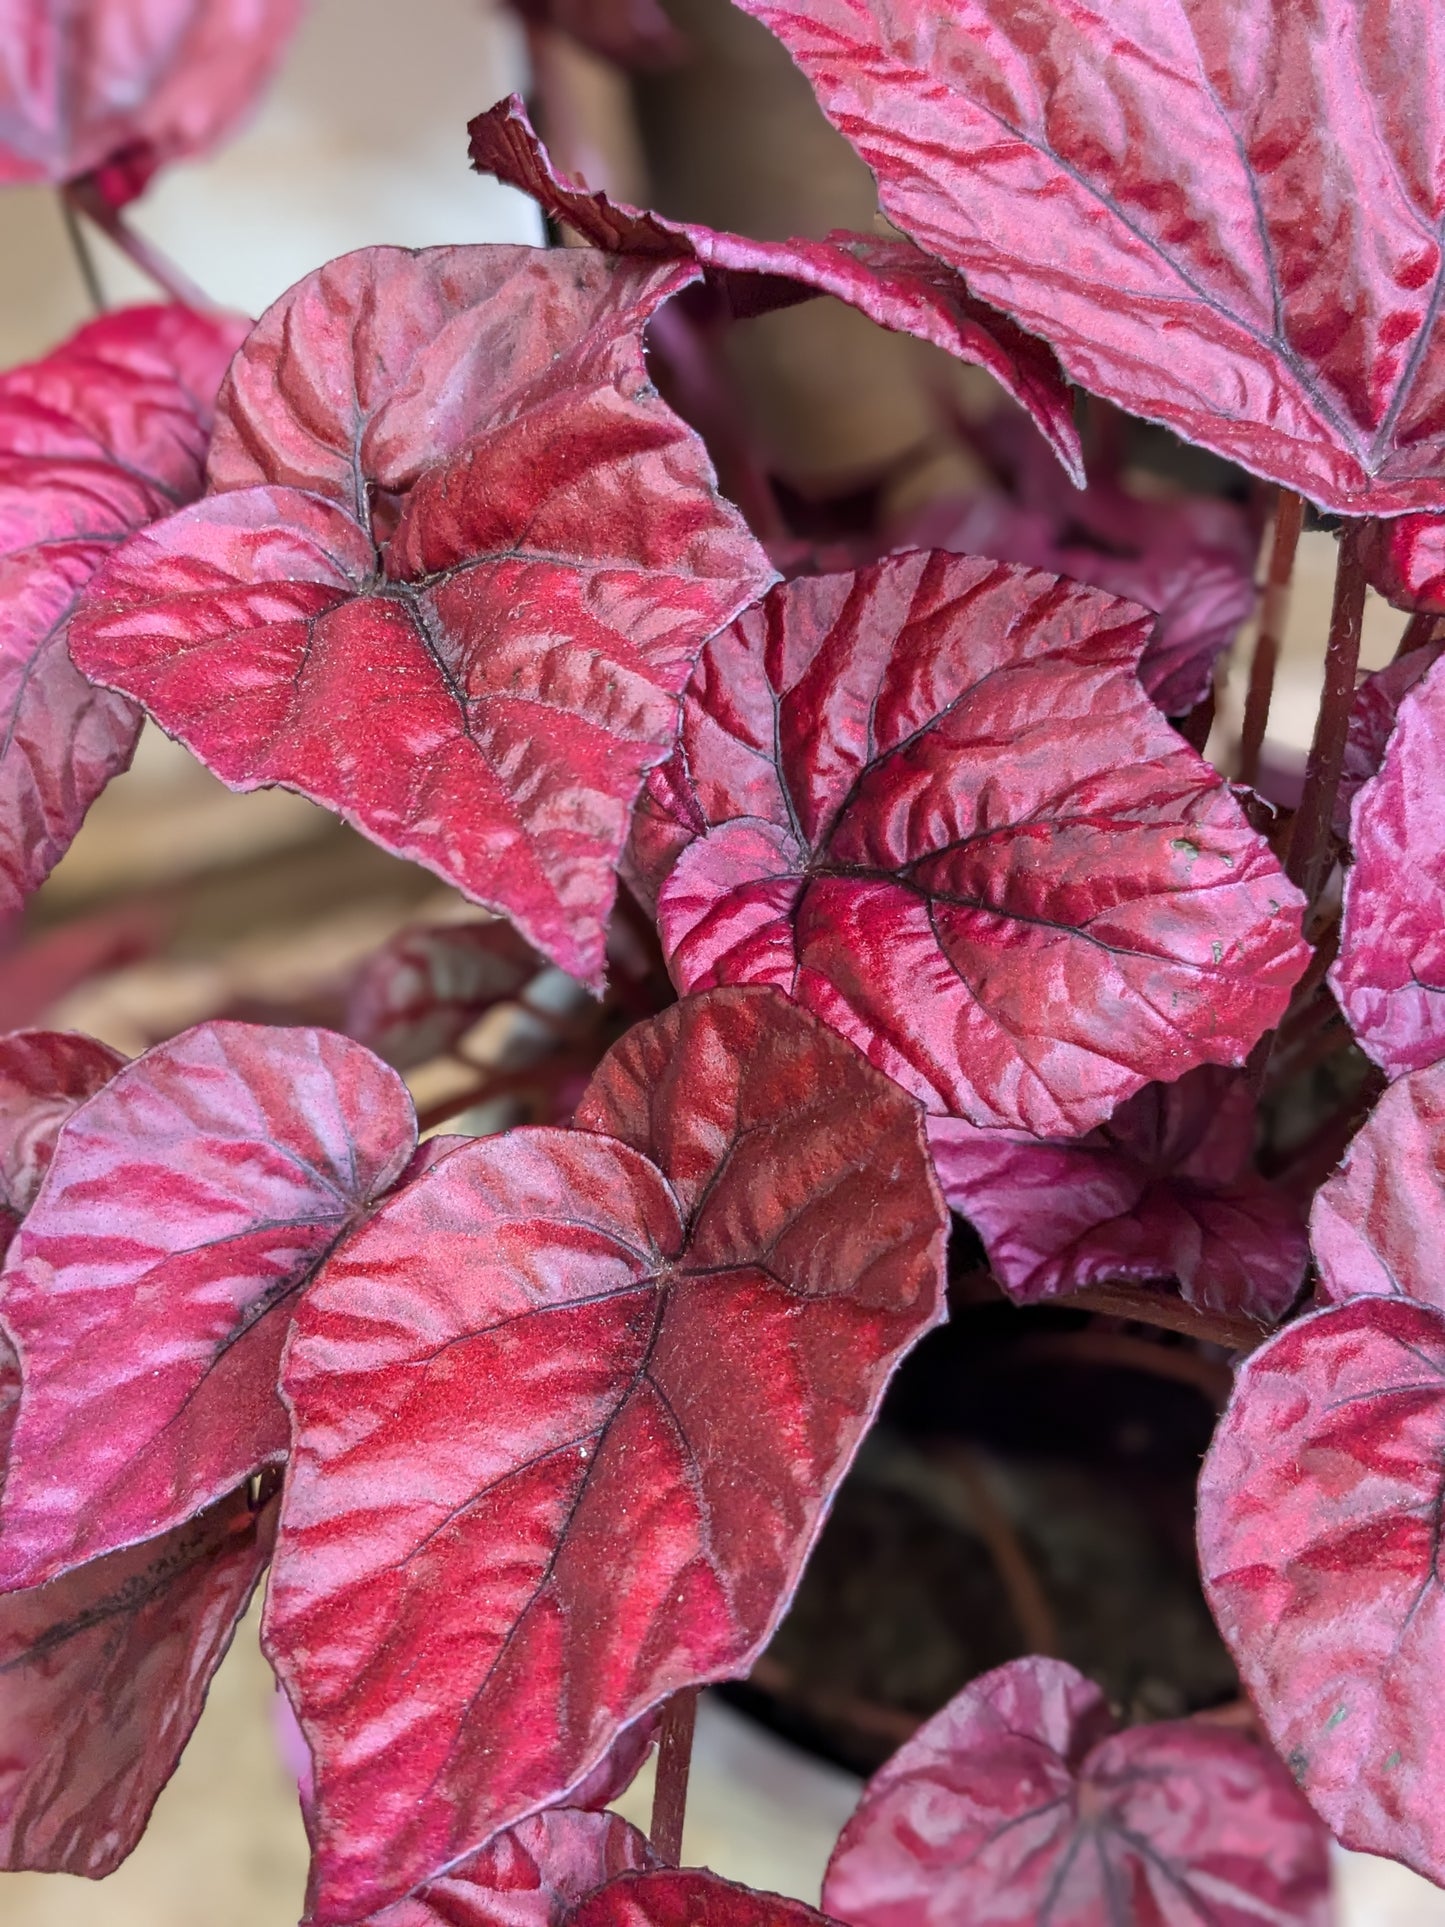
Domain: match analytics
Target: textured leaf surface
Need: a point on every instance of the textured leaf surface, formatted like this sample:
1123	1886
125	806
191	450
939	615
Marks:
891	281
1019	1804
44	1074
1378	1226
1372	718
96	440
533	1875
689	1897
1319	1533
469	634
425	987
1390	976
1405	560
103	81
931	802
149	1291
567	1415
103	1674
1128	183
1163	1191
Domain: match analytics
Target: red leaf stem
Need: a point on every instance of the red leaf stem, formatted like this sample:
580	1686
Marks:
1273	615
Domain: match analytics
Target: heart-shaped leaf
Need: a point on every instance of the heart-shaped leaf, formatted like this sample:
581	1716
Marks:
103	1674
567	1416
891	281
1019	1802
149	1291
1390	976
469	635
44	1074
1378	1225
96	440
1163	1192
932	802
105	86
1129	183
1319	1533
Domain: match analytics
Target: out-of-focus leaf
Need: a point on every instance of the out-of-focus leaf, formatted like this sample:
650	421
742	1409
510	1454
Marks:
425	987
44	1074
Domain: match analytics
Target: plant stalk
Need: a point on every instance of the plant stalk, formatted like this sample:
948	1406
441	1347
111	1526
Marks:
674	1764
1307	860
85	198
1273	615
80	249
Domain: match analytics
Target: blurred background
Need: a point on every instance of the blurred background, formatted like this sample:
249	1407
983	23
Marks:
179	900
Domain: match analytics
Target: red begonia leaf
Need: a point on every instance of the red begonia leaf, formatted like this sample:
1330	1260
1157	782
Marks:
103	1674
533	1875
932	802
684	1314
634	33
149	1291
96	440
109	87
1372	719
1404	559
1390	975
1163	1191
891	281
44	1074
427	986
1019	1803
470	635
689	1897
1319	1530
1378	1225
1129	183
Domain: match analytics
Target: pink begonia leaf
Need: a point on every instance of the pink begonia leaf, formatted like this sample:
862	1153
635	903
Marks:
689	1897
1020	1804
684	1313
1163	1191
103	1674
469	635
1378	1225
634	33
1372	719
1390	974
533	1875
1319	1530
149	1291
1128	184
931	801
96	440
891	281
44	1074
1404	558
425	987
106	87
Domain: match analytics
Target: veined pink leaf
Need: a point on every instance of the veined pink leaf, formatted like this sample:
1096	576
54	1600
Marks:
469	633
1319	1535
689	1897
96	440
1378	1225
1404	558
149	1291
931	801
104	86
1372	721
425	987
103	1674
684	1313
1128	183
1163	1191
1390	976
891	281
533	1875
44	1074
1019	1803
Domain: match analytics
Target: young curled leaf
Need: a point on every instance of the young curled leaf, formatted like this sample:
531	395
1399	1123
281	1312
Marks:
103	1674
1390	975
567	1416
44	1074
106	87
1319	1537
424	988
1404	558
931	802
1163	1191
1020	1803
96	440
1378	1225
149	1291
1128	183
461	565
894	283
